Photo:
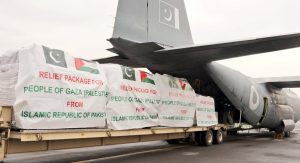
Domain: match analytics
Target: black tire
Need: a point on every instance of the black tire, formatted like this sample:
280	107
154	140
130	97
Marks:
207	138
173	141
287	134
218	137
198	139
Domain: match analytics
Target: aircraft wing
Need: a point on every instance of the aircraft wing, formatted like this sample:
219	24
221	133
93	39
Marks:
119	60
281	82
189	61
235	49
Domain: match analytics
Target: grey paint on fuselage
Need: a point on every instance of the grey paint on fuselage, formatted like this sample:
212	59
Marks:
248	96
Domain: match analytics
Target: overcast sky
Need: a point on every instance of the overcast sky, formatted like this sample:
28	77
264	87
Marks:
81	28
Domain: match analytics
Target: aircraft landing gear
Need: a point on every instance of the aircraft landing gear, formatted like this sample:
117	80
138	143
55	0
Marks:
280	133
287	134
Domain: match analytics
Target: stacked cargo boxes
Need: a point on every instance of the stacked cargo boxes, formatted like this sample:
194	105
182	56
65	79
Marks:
54	90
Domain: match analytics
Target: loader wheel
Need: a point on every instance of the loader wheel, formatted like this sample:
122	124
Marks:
218	137
207	138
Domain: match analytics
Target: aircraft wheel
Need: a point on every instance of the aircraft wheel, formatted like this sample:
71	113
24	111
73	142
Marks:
287	134
279	129
207	138
218	137
173	141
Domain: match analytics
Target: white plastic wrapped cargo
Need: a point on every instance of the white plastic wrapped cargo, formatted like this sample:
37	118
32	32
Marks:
177	107
9	67
134	98
55	90
205	111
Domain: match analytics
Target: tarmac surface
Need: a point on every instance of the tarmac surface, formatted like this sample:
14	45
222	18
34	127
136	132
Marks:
242	148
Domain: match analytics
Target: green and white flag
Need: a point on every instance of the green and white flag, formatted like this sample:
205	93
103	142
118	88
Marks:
128	73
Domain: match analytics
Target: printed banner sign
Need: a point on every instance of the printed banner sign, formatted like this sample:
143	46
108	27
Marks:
55	90
205	111
177	107
134	98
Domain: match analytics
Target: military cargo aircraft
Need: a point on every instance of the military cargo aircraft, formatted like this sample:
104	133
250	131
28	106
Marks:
155	34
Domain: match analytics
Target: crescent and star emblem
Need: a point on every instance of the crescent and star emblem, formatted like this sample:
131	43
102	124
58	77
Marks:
127	73
53	58
168	12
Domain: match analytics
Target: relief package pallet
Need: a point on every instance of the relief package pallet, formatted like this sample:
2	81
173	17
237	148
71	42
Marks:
177	107
205	111
134	98
55	90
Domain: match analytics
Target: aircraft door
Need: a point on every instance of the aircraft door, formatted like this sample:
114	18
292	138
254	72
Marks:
265	110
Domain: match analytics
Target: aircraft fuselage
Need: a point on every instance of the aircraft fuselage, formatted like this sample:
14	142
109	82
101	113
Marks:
262	105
